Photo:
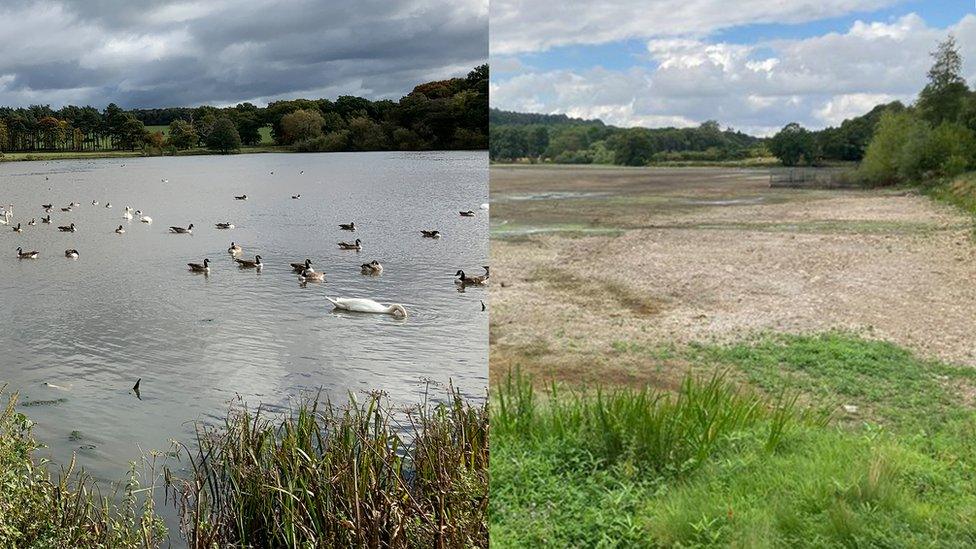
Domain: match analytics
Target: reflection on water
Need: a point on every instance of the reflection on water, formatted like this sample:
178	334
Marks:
79	333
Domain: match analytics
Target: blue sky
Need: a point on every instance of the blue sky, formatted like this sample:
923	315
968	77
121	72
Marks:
753	65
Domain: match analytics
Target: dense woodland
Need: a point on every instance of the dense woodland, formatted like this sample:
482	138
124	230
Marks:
446	114
557	138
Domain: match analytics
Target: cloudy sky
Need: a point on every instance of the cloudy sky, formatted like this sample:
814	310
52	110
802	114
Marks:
146	53
755	65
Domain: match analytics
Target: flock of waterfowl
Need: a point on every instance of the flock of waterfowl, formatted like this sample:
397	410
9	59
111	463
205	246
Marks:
305	271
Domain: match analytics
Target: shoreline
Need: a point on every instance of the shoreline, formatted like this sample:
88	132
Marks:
75	155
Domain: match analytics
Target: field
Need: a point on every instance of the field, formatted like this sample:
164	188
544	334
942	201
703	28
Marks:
265	133
857	306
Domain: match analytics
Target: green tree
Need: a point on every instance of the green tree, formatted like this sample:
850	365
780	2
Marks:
133	133
301	125
793	145
182	134
366	135
631	147
883	158
224	136
942	98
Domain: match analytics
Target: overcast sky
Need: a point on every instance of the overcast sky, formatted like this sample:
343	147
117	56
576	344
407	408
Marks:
753	64
159	53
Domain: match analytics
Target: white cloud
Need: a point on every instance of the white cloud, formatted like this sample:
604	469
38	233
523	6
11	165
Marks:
519	26
816	81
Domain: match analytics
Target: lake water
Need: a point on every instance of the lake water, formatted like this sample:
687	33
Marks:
128	308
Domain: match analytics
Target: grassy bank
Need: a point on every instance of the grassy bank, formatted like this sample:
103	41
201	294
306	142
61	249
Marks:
90	155
38	509
363	474
826	440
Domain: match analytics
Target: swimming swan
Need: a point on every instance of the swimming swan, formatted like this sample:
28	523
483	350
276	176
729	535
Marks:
362	305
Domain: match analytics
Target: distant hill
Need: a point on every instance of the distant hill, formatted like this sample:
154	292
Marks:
496	116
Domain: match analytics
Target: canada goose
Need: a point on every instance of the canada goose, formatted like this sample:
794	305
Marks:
357	245
21	254
309	275
75	204
430	234
362	305
66	209
301	172
348	226
164	180
67	229
181	230
224	225
120	230
473	280
47	207
301	267
46	219
242	197
372	268
234	249
198	268
108	204
94	203
469	213
248	264
18	229
296	196
32	222
71	254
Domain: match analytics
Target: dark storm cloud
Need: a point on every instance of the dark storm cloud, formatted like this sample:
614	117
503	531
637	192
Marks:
155	53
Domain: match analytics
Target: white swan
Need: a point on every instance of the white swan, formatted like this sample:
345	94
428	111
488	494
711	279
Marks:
128	213
362	305
143	217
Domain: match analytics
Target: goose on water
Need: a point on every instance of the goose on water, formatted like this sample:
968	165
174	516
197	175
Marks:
473	280
372	268
302	267
242	197
120	230
46	219
18	229
249	264
348	226
430	234
224	225
296	196
32	222
308	275
67	229
469	213
181	230
363	305
357	245
94	203
200	267
234	249
71	254
21	254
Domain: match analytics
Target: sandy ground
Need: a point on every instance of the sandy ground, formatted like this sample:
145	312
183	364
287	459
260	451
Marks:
597	272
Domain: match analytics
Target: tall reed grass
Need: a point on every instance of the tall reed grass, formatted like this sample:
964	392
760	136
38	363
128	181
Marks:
656	431
358	475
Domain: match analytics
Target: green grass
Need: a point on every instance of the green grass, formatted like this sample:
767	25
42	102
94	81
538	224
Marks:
265	132
748	459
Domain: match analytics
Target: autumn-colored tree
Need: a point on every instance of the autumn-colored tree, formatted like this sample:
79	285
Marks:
301	125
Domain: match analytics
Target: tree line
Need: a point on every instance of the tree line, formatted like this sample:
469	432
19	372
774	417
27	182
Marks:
558	138
446	114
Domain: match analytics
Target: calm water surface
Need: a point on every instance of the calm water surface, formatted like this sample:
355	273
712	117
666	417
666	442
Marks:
129	309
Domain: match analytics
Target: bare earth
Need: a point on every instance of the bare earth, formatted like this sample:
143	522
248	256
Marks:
596	272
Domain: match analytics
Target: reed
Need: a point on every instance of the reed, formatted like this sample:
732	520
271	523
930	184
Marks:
325	475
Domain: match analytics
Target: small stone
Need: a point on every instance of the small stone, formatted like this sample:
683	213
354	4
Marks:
850	408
